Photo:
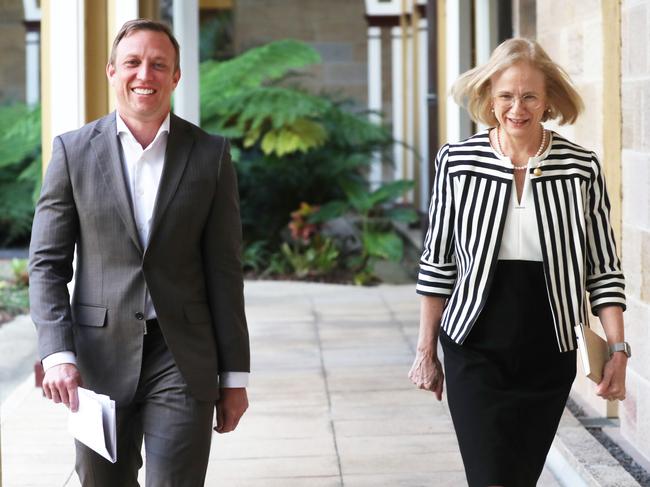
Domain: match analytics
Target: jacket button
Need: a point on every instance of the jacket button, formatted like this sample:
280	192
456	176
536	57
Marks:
139	316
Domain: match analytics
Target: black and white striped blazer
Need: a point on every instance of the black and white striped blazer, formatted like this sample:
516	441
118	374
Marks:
467	214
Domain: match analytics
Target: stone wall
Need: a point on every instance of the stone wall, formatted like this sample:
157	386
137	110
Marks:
635	66
12	47
574	39
336	29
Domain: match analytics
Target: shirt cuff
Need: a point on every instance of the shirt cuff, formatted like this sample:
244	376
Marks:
233	379
58	358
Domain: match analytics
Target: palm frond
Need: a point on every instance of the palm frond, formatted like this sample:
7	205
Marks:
222	80
270	106
20	134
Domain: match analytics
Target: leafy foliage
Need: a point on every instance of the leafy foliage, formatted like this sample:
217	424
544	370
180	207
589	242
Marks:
254	256
215	35
314	259
20	170
375	215
220	81
14	300
293	147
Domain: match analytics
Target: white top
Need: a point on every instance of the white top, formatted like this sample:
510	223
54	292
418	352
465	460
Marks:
520	240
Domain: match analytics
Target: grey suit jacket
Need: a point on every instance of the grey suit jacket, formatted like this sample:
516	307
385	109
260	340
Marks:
191	265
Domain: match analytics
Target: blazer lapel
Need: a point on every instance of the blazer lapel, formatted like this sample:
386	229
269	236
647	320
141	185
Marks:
179	147
107	154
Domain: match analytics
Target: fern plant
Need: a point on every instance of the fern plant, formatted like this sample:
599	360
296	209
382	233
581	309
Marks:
293	146
20	170
241	99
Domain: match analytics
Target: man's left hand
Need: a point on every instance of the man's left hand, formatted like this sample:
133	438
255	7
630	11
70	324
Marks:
232	404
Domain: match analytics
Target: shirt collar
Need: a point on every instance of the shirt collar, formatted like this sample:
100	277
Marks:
123	129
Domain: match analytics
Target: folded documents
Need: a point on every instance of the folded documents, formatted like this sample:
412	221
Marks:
593	352
94	423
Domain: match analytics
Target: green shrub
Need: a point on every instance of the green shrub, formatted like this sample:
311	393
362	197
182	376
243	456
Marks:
20	171
14	300
19	268
291	147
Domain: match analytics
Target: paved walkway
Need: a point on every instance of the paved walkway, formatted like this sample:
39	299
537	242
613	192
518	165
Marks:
17	353
330	401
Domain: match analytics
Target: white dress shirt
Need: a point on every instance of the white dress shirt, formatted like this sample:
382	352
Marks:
143	169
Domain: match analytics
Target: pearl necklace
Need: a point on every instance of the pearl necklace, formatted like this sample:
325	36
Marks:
538	170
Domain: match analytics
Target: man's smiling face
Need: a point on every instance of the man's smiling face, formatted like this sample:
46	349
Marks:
144	76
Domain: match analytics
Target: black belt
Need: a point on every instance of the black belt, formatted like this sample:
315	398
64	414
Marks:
151	326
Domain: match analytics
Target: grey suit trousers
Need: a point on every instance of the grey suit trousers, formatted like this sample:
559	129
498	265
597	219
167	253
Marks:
176	427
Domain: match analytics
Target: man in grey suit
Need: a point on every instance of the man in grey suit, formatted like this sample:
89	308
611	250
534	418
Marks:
157	316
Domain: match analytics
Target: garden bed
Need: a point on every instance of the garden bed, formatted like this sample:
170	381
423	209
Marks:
14	293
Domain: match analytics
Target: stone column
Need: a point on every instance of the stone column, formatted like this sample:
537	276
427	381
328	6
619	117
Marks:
458	24
374	95
186	29
62	68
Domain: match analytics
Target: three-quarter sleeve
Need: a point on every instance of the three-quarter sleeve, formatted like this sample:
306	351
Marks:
605	281
438	271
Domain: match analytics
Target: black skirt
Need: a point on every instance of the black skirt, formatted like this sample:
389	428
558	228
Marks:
508	383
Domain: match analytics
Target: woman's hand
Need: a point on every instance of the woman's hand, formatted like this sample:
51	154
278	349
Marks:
612	387
426	373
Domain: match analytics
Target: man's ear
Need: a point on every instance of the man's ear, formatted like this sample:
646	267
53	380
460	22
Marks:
177	77
110	71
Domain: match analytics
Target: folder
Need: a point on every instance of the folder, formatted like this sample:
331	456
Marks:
593	351
94	423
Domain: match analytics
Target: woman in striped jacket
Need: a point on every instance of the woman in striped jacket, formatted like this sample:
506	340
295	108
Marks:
519	231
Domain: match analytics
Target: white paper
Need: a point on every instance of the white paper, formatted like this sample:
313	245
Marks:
94	423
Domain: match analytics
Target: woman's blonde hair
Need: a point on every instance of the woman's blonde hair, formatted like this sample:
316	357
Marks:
473	89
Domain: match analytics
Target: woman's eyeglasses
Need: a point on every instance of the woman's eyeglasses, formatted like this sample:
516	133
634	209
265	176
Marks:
507	100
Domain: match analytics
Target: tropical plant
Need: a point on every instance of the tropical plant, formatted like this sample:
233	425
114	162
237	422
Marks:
215	36
308	252
14	300
238	100
254	256
20	272
20	170
375	216
277	266
291	145
317	258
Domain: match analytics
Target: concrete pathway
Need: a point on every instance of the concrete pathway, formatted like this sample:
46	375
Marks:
17	353
330	401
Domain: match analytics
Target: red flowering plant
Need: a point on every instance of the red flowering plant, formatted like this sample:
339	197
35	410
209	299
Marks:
301	229
310	254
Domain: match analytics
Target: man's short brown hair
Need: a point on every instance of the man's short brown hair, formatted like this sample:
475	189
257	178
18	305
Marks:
145	24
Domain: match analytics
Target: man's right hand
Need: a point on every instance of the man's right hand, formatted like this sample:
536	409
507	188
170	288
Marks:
60	384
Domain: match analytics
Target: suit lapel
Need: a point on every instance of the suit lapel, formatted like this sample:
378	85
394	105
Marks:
179	147
107	155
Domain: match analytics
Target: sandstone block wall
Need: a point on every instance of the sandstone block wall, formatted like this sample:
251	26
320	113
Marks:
12	47
336	29
635	92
